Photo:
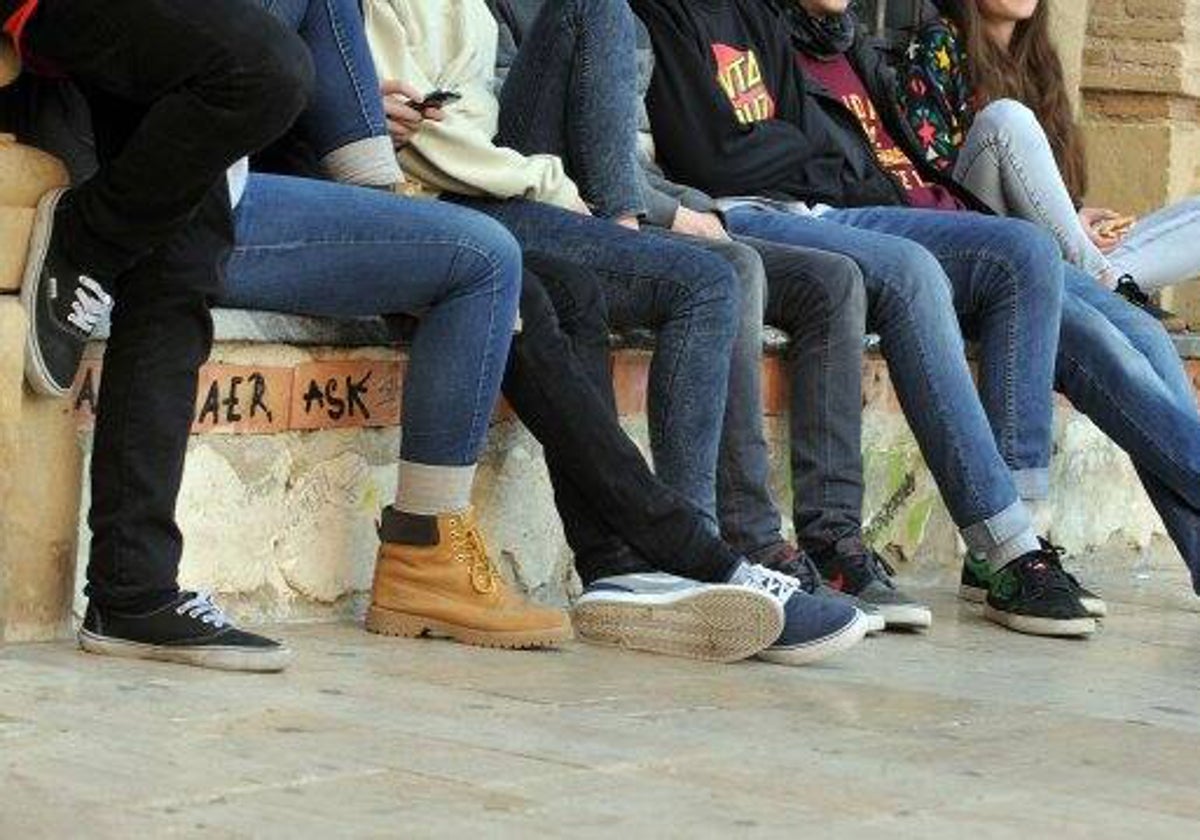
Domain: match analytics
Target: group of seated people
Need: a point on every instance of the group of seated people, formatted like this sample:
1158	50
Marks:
527	176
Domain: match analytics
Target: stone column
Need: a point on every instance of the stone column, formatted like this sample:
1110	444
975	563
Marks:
1141	110
39	449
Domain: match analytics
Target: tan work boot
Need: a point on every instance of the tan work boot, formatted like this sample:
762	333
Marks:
433	576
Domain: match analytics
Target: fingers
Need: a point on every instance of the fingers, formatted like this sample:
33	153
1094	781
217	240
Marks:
392	87
400	111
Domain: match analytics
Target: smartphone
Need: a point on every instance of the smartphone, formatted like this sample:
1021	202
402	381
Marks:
437	99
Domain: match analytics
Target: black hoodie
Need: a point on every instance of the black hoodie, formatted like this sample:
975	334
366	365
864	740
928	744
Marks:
790	139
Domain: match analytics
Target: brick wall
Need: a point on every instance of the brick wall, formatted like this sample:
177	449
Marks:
1141	108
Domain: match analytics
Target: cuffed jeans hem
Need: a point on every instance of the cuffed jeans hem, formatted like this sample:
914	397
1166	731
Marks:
370	162
1033	485
1009	526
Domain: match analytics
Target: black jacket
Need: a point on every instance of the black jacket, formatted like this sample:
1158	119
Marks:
814	150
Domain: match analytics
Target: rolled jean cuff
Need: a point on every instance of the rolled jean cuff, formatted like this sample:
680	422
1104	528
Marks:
370	162
984	537
1033	485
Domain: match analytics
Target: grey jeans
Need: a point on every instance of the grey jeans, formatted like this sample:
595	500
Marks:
1007	161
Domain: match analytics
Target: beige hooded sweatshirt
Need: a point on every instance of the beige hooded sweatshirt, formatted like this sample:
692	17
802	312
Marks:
451	45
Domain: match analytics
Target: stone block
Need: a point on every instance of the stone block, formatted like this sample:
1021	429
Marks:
16	223
40	473
26	174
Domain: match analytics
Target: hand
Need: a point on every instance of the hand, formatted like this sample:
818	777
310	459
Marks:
403	120
630	222
1106	228
703	225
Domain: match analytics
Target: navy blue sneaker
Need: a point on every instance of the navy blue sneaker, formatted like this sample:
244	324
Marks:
815	627
793	562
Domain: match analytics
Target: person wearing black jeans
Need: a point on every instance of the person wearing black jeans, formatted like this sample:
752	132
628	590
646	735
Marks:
179	91
657	578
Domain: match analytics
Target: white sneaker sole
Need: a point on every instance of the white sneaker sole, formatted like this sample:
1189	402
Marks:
905	616
818	649
719	623
1034	626
1096	607
36	371
876	623
267	661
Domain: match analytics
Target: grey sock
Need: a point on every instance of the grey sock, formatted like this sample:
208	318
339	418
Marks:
429	491
1001	554
364	163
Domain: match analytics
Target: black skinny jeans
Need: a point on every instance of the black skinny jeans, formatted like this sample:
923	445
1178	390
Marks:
178	90
618	517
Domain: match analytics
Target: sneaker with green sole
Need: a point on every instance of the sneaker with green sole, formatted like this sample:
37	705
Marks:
977	576
1033	595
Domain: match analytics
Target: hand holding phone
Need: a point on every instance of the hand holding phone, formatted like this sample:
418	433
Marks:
436	99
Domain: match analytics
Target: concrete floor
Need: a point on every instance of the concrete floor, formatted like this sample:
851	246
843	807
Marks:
967	731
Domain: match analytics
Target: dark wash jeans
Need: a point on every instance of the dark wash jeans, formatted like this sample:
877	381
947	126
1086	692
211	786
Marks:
618	517
685	295
1119	366
178	91
571	91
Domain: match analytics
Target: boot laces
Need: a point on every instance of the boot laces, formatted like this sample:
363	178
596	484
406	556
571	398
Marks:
201	607
470	549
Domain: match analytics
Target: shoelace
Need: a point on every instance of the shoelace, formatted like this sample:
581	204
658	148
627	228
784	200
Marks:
90	305
1046	573
201	607
1054	555
469	548
881	569
801	567
776	584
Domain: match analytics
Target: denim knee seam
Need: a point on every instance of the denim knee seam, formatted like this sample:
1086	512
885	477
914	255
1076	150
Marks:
1007	435
1000	146
904	311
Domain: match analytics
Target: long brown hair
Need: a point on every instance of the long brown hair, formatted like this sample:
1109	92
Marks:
1029	71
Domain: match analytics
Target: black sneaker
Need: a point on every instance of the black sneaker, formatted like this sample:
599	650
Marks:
191	630
1034	595
849	566
977	576
791	561
1092	602
1128	288
63	303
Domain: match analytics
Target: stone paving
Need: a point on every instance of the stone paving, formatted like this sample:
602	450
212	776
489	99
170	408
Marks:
966	731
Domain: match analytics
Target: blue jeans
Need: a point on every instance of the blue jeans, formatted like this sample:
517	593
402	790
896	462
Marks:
1003	278
1118	366
315	248
344	122
687	296
572	92
1007	161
